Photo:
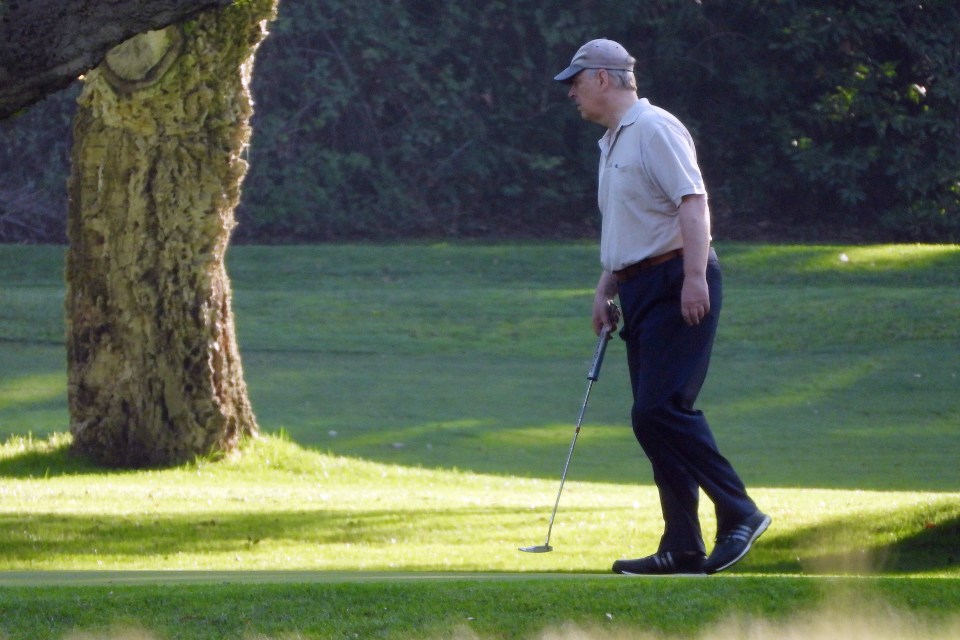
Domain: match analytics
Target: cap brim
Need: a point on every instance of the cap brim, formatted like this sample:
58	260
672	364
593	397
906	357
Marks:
566	76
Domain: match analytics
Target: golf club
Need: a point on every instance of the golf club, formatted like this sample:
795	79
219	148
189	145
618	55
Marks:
592	376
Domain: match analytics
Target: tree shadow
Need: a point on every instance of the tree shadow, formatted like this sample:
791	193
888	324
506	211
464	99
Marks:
159	538
937	546
926	536
842	546
53	461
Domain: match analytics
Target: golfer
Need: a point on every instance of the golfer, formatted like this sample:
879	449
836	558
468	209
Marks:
656	256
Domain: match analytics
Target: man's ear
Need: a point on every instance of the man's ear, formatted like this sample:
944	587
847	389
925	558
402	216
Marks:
603	78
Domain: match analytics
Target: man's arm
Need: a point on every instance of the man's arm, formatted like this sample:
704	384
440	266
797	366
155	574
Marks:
695	230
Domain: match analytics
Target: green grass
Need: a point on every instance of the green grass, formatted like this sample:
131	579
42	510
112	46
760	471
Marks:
761	607
419	401
282	507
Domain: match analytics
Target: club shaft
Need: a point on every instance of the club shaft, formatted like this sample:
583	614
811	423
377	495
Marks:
592	376
566	466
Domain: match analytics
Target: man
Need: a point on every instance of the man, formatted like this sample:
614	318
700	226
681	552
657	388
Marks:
656	255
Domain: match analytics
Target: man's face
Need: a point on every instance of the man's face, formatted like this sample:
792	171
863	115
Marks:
585	93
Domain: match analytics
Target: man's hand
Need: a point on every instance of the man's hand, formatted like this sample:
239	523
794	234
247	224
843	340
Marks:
694	300
606	315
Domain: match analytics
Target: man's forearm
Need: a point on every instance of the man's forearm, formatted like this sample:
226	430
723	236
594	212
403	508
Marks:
607	286
695	230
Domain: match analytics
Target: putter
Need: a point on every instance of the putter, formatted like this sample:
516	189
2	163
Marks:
592	376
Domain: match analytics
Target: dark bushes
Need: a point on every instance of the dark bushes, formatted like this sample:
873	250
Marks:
420	118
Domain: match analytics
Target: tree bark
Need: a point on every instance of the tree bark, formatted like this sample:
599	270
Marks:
154	372
47	44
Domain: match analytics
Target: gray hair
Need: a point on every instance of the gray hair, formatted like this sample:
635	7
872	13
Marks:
621	79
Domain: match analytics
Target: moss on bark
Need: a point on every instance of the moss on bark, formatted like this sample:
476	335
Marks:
154	370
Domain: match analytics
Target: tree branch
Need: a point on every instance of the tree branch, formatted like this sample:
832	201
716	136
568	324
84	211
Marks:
47	44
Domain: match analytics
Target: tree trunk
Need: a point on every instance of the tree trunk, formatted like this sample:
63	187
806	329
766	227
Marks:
154	373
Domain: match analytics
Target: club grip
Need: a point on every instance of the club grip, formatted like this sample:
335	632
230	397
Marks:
594	372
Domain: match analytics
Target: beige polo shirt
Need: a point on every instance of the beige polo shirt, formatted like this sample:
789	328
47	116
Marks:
647	165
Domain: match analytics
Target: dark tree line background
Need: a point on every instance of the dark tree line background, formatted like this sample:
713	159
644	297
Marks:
421	119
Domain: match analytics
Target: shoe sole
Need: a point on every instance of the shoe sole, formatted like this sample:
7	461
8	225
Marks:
680	574
746	549
662	565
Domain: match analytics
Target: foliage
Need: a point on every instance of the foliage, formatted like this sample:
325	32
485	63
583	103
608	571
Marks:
875	128
419	118
408	119
34	156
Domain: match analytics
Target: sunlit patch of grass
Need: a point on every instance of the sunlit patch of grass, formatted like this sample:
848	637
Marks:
898	257
826	264
280	506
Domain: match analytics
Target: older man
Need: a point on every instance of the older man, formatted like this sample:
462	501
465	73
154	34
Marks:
656	257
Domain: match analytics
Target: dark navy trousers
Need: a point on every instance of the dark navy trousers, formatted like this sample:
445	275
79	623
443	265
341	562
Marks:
668	362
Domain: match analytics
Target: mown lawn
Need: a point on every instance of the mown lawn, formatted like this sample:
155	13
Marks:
418	402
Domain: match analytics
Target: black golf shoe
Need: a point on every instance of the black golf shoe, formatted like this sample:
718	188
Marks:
663	563
734	543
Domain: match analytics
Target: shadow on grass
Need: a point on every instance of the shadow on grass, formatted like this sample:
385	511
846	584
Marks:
784	421
228	536
925	535
850	546
159	538
54	460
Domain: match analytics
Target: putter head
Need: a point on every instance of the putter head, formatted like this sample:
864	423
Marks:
540	548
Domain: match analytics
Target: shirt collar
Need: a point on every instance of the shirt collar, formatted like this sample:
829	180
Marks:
610	137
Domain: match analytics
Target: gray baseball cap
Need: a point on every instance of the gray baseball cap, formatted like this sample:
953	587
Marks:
597	54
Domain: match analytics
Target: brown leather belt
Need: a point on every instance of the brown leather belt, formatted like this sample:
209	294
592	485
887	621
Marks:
632	270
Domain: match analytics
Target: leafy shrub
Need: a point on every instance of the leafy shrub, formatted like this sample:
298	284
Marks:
421	118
